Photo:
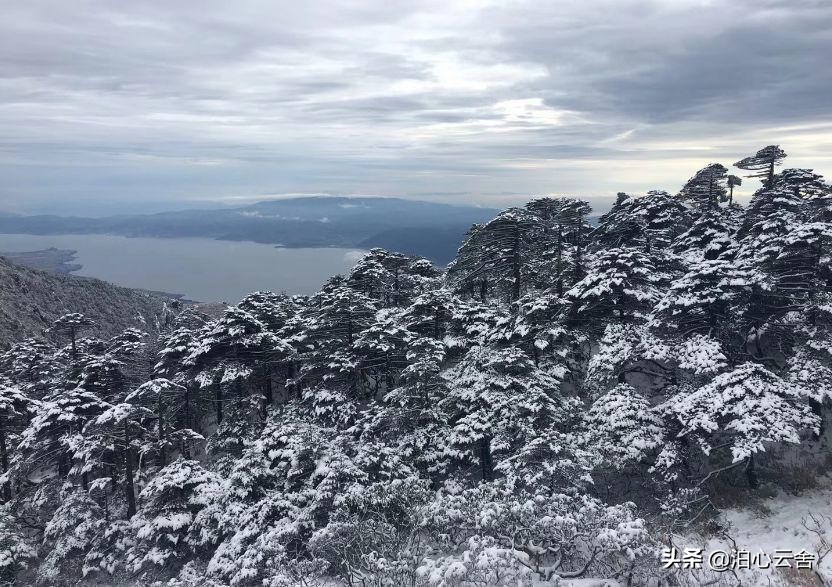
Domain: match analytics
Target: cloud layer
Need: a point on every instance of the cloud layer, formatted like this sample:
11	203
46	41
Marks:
108	106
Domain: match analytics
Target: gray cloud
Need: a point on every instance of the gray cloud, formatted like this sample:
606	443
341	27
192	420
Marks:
113	106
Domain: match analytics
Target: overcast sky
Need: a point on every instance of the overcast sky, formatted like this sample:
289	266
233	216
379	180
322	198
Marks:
110	106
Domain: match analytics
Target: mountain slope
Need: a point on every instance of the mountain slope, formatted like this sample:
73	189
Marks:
30	300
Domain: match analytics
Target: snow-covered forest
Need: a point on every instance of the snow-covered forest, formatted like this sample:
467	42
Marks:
562	402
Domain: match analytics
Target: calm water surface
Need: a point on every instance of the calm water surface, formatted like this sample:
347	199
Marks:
201	269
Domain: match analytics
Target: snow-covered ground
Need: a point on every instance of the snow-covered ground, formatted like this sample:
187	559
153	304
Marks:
782	522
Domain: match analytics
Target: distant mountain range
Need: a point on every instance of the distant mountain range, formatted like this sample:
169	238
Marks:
421	228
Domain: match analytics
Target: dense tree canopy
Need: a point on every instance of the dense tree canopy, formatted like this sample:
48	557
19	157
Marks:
515	418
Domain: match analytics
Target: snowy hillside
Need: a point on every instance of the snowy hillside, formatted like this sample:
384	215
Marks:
30	300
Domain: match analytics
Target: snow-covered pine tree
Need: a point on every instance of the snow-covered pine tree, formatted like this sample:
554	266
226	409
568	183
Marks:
560	238
17	551
16	410
494	258
331	324
380	352
430	313
225	359
32	366
762	163
709	237
174	410
109	446
804	183
392	279
47	443
496	401
622	429
168	506
75	529
648	222
409	417
620	285
711	298
71	325
750	406
706	188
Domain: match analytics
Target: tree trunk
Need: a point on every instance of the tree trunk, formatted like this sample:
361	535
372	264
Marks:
218	402
516	265
188	407
268	394
560	262
711	194
486	464
817	409
292	372
751	473
129	493
579	269
4	460
163	452
63	468
483	289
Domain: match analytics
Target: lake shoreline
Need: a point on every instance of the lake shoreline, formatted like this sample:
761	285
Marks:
209	270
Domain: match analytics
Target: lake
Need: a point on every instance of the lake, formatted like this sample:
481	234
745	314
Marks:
200	269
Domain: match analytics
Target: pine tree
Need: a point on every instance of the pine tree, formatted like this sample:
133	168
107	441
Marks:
110	444
495	256
560	235
332	322
32	365
391	278
430	314
380	352
17	553
173	408
16	410
751	406
226	357
709	237
620	285
75	529
710	298
49	438
804	183
732	182
169	504
649	222
706	188
621	428
496	399
762	163
71	325
409	418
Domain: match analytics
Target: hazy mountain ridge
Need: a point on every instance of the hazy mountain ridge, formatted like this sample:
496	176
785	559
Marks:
30	300
295	222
